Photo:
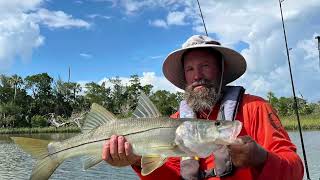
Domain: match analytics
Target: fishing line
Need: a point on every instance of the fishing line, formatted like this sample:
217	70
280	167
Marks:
294	95
204	24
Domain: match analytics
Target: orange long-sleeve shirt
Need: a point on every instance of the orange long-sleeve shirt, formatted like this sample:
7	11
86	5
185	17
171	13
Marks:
263	125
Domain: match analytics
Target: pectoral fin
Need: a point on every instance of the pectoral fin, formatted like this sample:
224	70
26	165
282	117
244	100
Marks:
151	163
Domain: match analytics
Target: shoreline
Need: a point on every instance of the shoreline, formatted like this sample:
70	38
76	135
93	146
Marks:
39	130
289	123
306	122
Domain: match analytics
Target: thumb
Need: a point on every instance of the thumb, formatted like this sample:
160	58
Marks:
242	140
237	141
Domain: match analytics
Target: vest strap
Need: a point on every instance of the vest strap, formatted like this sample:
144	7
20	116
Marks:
230	102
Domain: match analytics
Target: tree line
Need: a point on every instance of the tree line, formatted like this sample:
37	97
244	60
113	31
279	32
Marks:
31	101
285	105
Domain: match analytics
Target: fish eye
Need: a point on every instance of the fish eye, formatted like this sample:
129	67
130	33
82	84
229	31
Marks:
217	123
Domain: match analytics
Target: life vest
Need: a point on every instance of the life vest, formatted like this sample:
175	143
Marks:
189	166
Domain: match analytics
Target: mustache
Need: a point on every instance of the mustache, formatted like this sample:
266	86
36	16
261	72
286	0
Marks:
203	82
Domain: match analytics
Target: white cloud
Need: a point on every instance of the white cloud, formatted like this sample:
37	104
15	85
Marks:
158	82
159	23
257	23
85	55
266	58
20	32
134	6
308	48
58	19
94	16
18	35
156	57
17	6
176	18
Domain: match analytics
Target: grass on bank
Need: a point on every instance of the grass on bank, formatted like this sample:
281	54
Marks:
308	122
39	130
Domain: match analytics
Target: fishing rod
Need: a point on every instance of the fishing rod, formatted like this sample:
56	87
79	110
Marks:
318	37
294	95
204	24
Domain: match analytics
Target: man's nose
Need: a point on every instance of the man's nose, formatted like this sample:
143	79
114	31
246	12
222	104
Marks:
198	74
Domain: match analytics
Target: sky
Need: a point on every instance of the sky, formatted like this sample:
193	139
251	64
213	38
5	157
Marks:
102	39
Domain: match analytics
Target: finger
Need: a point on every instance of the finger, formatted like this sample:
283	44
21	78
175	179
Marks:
114	148
237	150
104	150
239	141
245	139
121	151
235	147
106	153
132	158
128	149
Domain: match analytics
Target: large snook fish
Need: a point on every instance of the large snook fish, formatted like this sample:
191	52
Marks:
153	137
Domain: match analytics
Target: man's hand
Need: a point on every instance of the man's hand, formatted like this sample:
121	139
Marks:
118	152
247	153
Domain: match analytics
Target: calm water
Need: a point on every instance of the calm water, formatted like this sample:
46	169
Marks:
15	164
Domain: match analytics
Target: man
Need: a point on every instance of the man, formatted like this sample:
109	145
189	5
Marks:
203	68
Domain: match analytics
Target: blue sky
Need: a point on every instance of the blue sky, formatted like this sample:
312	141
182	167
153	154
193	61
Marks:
100	39
110	47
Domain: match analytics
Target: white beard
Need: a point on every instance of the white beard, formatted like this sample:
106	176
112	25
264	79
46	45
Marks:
203	99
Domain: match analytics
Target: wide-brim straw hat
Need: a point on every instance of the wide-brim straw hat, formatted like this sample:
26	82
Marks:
234	63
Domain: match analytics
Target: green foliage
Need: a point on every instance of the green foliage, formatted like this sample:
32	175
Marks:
285	105
29	102
166	102
41	87
99	94
39	121
6	90
67	98
11	115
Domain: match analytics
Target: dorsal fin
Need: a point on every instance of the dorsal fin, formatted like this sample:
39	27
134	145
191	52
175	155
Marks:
97	116
145	108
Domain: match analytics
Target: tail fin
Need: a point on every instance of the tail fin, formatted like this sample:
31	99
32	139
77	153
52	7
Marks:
46	164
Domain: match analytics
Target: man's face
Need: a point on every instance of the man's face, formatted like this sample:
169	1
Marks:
201	65
202	74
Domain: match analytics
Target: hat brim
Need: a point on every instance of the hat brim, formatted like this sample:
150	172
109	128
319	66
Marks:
234	64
